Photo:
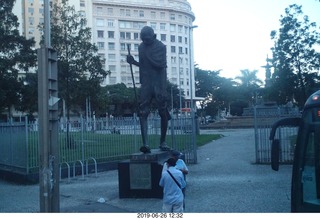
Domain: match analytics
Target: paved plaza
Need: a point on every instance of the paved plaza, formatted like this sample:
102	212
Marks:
224	180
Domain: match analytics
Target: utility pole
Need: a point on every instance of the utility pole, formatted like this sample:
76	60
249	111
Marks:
48	122
193	140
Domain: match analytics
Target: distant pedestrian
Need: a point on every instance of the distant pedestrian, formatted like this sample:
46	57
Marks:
172	181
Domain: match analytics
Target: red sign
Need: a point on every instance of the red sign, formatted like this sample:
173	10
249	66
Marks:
185	110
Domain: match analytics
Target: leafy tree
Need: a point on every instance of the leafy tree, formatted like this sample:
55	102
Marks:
16	55
206	83
114	99
29	95
218	92
174	99
80	70
296	62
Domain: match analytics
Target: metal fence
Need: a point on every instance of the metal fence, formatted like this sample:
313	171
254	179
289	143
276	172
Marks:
263	121
90	140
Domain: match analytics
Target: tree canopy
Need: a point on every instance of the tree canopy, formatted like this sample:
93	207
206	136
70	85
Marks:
295	60
16	55
80	69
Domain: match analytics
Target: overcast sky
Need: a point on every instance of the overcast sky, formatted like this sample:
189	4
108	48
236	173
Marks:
235	34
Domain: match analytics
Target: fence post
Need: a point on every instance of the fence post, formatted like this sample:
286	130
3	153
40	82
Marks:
256	137
27	144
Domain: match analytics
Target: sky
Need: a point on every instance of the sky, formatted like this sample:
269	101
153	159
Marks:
234	35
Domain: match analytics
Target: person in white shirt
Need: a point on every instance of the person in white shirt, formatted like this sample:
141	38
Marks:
173	182
180	165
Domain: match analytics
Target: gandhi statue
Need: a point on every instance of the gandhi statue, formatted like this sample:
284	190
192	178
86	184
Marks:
153	79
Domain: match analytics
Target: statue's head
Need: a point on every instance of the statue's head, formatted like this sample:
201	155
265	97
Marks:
147	35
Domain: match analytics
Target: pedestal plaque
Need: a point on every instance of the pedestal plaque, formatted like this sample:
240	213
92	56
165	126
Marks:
139	177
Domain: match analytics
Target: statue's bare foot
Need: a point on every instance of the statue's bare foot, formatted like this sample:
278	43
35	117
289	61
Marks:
164	147
145	149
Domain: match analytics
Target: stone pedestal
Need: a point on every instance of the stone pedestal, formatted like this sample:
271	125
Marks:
140	175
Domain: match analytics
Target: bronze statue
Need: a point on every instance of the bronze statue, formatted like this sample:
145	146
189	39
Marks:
153	79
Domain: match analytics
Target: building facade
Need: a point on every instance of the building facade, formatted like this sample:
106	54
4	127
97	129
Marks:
116	24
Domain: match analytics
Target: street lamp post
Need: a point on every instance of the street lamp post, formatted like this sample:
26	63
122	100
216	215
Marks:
179	72
193	125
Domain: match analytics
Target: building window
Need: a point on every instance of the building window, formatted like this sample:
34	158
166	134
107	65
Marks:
162	26
153	14
141	13
153	25
136	47
99	10
82	3
31	10
180	28
162	15
135	13
128	36
125	24
172	27
173	49
172	17
123	47
173	59
136	36
100	45
122	12
122	35
163	37
111	46
111	34
112	68
113	80
100	34
123	58
31	30
138	25
124	68
110	11
174	71
180	39
99	22
128	12
82	13
180	50
172	38
103	60
112	57
31	20
186	30
110	23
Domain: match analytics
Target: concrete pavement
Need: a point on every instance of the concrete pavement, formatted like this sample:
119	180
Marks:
225	180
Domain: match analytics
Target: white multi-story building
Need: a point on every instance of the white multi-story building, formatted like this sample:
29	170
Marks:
116	24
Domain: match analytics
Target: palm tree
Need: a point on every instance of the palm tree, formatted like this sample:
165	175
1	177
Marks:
249	79
249	84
